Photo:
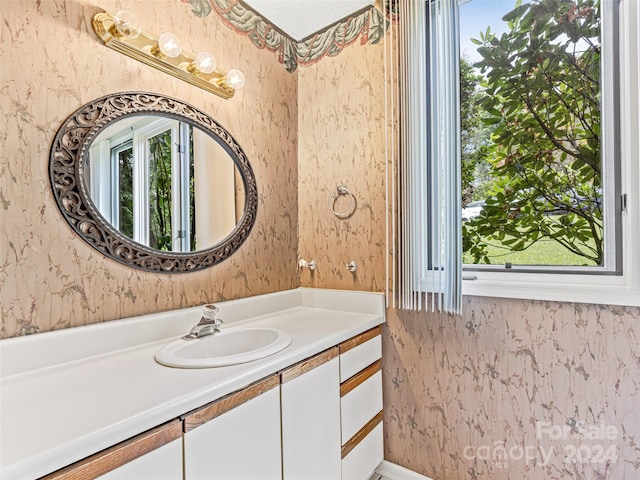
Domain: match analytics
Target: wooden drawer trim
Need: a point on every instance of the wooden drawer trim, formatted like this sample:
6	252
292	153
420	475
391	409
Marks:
360	339
361	434
360	377
214	409
120	454
308	364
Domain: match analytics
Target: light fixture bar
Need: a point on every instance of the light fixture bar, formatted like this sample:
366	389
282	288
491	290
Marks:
140	48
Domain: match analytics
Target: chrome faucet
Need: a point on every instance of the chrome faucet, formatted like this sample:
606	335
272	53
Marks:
208	324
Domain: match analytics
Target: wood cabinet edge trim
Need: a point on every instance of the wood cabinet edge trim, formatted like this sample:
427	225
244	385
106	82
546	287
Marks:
361	434
360	339
309	364
360	377
120	454
218	407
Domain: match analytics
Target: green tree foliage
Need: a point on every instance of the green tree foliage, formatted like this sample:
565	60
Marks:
471	129
541	82
192	194
160	192
125	168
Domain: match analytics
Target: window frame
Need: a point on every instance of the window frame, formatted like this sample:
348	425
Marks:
619	285
120	146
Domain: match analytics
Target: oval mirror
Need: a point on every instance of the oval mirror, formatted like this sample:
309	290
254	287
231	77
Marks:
153	182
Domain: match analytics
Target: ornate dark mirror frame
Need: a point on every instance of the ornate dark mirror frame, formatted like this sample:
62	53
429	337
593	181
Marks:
66	171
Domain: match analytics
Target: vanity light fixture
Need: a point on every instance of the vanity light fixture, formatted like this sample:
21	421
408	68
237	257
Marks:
122	33
204	63
235	78
126	24
168	46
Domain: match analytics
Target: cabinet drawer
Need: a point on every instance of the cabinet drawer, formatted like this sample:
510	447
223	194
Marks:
360	352
363	459
360	405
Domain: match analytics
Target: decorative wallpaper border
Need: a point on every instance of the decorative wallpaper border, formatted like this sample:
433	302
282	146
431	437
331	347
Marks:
368	26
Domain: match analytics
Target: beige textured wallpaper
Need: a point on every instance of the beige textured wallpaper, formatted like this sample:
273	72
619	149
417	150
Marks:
52	63
341	142
512	389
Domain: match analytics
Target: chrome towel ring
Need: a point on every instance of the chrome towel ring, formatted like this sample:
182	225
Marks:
342	190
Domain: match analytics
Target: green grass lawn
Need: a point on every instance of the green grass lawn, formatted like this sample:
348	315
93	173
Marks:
543	252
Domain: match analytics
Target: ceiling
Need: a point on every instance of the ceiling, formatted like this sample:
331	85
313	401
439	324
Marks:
299	19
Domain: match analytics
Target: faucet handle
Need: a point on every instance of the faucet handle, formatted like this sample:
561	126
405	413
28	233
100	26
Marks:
209	316
208	324
209	311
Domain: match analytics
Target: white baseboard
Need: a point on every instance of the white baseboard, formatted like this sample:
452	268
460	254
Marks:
396	472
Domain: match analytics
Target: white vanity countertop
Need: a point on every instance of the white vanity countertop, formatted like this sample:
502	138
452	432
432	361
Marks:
68	394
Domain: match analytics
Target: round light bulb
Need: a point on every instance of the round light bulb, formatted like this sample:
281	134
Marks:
205	62
169	45
235	79
127	24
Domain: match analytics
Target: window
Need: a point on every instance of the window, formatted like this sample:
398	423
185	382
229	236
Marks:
610	270
122	162
538	160
548	113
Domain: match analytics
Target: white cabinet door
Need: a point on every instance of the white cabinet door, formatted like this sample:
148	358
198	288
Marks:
164	463
311	419
154	455
240	441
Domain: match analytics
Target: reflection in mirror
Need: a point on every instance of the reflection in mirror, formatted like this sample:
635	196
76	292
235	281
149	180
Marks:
164	183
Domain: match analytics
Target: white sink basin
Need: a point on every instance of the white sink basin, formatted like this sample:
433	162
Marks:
224	348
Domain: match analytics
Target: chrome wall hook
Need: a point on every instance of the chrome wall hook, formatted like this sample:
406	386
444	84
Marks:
311	265
352	266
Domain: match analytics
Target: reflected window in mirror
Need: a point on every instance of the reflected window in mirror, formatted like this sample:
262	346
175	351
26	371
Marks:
164	183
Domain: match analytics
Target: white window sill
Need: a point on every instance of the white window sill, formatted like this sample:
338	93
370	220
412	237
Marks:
580	292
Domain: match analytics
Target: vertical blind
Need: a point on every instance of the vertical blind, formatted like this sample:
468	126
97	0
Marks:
423	163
